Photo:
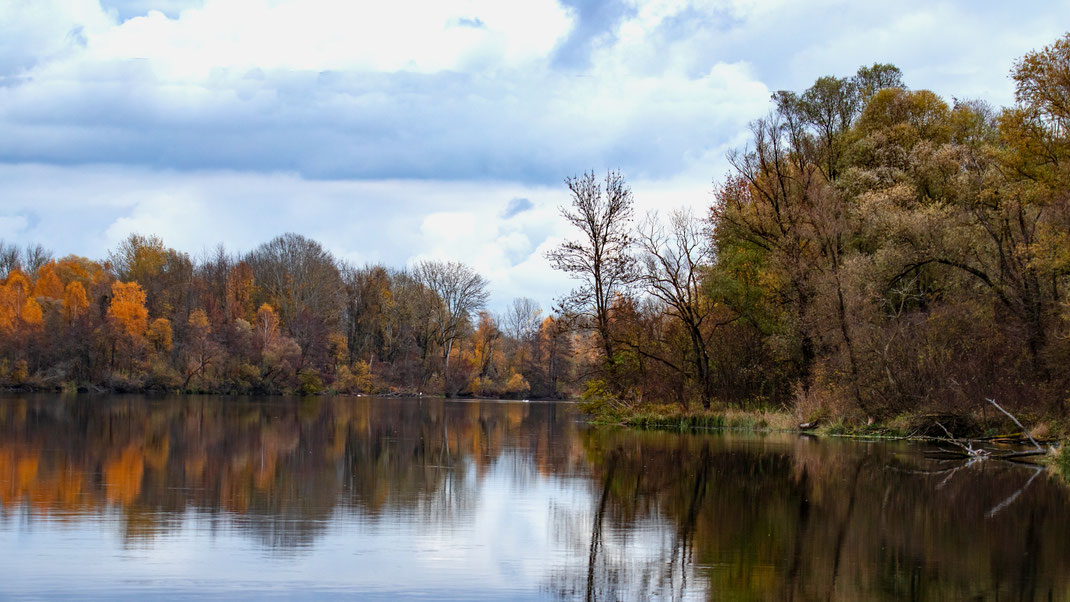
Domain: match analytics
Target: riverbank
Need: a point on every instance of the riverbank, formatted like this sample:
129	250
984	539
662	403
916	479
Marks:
987	427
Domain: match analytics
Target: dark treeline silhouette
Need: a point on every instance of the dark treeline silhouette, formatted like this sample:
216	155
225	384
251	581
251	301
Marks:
286	317
873	252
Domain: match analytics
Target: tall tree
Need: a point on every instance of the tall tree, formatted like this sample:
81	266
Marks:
300	279
600	259
522	318
673	261
461	290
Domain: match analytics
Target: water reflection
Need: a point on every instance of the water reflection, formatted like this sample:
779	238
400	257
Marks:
123	496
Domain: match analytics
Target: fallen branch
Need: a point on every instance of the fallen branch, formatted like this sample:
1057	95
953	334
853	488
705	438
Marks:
969	451
1011	416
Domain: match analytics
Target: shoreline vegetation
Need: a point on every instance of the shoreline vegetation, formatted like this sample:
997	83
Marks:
877	261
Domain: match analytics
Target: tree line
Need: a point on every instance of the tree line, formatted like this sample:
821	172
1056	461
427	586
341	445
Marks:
873	251
287	317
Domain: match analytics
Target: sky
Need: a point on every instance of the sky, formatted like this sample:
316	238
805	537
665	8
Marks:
398	131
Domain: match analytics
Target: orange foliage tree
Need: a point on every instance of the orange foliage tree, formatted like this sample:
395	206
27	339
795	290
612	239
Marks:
17	307
75	302
48	283
127	309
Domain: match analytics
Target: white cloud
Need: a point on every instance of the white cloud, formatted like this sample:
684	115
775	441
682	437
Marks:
316	35
11	226
399	130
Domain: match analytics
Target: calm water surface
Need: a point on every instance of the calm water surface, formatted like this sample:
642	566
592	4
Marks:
122	497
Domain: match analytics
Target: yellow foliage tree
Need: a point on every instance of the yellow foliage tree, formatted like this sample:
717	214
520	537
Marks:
338	348
516	384
199	324
267	324
84	270
139	257
31	313
240	290
160	335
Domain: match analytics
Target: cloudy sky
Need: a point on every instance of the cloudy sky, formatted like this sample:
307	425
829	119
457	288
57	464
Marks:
402	130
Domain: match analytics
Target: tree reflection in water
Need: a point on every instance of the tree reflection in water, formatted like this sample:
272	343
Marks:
790	518
554	509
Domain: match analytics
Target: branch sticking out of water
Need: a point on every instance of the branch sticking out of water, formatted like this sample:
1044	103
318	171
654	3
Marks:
1011	416
967	449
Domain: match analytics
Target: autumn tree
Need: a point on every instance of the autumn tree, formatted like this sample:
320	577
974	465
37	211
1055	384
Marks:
75	302
461	291
18	308
553	353
159	333
127	309
484	354
163	273
48	284
369	301
201	351
267	326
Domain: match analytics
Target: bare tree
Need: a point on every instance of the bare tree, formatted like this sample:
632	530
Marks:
35	256
301	280
461	290
10	259
672	261
298	275
600	259
522	319
29	260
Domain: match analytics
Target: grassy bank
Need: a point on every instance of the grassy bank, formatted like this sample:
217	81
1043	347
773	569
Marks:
1052	434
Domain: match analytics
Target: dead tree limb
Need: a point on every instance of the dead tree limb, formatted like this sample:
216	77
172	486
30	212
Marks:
1011	416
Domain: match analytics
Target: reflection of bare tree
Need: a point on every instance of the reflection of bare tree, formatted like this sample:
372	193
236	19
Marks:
683	538
845	524
783	518
596	526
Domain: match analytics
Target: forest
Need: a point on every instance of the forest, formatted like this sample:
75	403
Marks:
874	251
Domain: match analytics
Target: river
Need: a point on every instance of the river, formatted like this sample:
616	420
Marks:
113	497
